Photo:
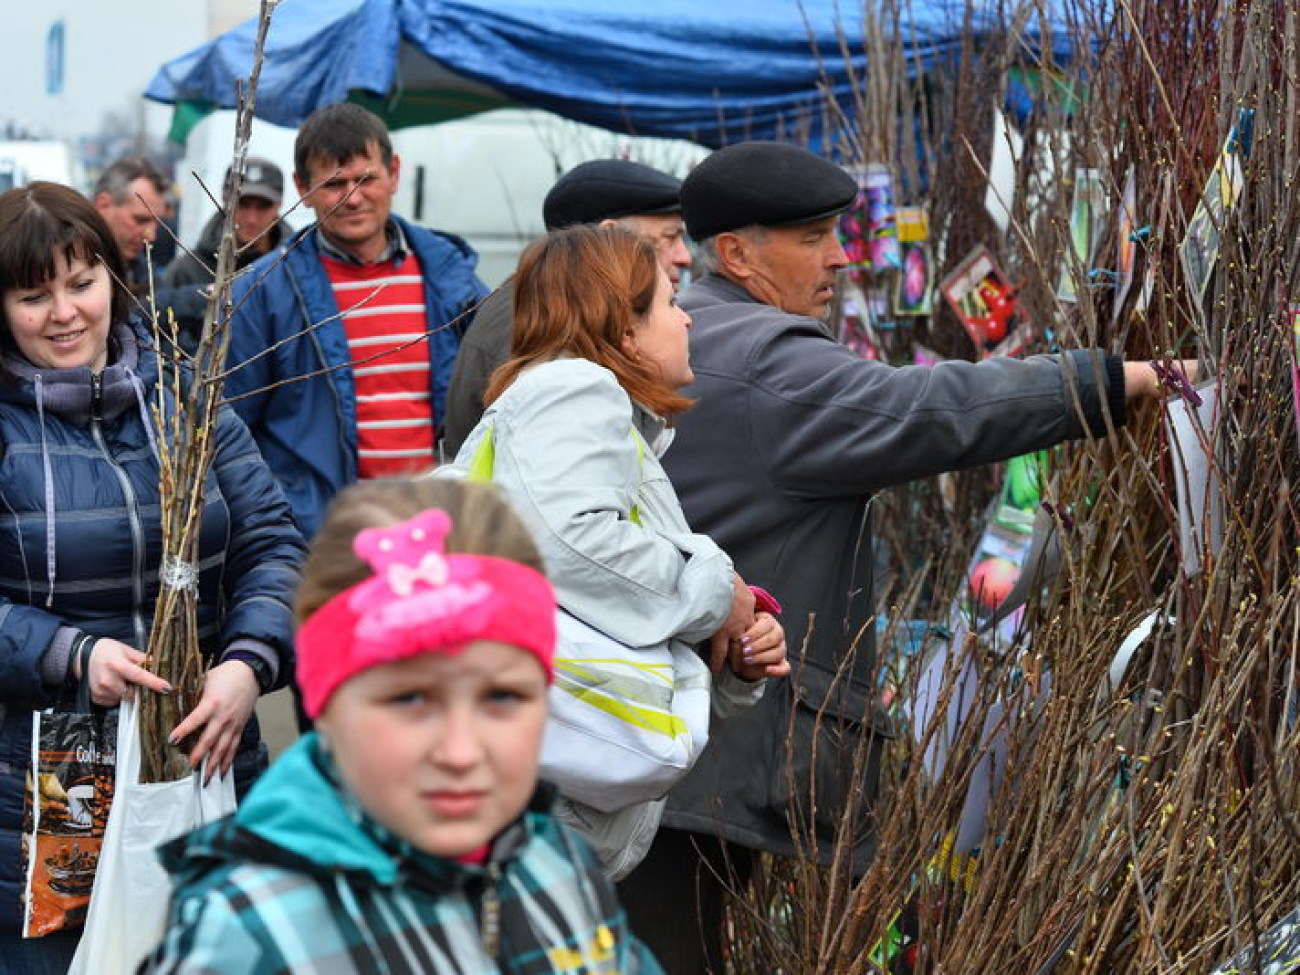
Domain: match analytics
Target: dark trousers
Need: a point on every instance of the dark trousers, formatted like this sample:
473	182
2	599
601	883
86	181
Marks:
675	898
50	955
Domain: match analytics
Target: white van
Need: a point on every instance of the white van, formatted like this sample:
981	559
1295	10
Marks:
22	161
482	177
12	175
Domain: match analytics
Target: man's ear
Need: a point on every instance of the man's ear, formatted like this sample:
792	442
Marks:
734	256
302	189
103	201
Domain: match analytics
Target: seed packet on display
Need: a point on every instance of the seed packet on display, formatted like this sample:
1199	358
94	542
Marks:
914	283
869	229
1200	248
1087	209
982	297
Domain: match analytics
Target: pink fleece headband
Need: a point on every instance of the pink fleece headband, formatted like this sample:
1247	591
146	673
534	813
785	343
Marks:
421	600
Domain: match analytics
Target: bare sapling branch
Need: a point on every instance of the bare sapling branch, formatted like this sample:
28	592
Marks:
187	417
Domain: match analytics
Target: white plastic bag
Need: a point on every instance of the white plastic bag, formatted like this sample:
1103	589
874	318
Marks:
627	723
128	905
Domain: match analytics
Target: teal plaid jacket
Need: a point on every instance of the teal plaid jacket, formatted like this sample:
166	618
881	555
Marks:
298	880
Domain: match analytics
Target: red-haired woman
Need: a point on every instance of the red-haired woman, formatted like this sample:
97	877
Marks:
578	417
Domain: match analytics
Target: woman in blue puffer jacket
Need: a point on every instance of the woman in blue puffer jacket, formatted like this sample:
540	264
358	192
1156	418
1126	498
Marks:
80	532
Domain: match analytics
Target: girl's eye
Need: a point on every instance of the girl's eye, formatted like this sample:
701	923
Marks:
30	299
505	696
82	284
408	699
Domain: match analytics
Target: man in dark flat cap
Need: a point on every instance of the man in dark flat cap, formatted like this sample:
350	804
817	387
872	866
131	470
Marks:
601	191
790	436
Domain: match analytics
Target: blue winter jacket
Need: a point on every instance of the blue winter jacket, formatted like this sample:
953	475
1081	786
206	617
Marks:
80	545
307	428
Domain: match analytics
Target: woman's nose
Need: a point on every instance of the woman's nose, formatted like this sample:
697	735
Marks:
61	307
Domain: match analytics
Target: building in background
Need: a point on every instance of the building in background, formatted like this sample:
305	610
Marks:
73	72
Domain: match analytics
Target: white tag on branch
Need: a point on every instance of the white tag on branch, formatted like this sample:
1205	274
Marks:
175	574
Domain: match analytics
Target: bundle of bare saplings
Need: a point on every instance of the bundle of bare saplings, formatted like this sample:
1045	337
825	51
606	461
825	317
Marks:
1105	780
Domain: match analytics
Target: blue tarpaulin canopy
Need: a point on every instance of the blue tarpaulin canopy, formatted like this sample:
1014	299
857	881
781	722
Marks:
712	72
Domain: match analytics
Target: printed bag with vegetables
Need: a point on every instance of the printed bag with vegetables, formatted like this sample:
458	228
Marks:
69	791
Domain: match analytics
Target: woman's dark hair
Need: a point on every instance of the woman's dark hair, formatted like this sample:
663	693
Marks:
39	222
577	292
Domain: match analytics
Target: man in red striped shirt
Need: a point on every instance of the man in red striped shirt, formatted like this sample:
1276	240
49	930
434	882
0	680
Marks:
346	335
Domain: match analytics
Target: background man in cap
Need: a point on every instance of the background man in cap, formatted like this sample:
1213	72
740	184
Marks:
343	346
790	436
258	229
601	191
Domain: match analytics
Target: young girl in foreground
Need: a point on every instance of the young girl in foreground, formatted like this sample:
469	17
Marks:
406	834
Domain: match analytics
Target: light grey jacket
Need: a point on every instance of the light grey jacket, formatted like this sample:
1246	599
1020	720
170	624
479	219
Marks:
568	461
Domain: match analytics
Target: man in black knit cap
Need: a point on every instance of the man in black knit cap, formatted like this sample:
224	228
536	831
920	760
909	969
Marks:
790	437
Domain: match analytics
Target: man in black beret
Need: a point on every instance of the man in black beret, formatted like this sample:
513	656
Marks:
600	191
790	436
